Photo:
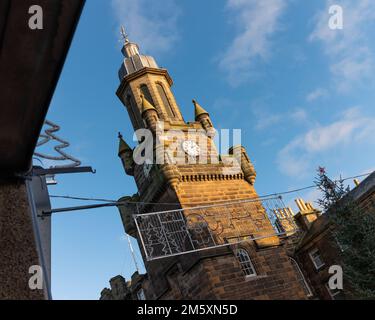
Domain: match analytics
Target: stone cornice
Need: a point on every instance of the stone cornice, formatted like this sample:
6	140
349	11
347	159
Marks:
211	177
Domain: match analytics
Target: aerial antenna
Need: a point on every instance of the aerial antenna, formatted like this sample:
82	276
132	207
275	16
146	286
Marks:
124	35
133	254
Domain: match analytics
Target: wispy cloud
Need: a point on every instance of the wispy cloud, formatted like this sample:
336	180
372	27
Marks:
298	115
351	59
316	94
257	21
266	119
351	128
151	23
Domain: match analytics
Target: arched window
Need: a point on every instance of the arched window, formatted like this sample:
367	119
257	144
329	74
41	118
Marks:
165	100
133	116
147	94
245	262
301	277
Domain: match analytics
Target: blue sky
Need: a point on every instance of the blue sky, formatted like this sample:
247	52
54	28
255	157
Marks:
302	95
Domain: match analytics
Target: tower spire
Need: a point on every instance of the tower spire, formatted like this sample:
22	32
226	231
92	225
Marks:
130	49
134	61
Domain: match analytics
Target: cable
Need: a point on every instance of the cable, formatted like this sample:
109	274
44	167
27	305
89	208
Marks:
82	198
133	254
291	191
171	203
111	201
120	203
314	186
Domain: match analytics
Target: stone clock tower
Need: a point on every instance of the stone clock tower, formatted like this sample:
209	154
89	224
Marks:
246	258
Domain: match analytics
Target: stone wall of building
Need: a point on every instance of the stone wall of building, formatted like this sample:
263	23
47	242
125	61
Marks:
320	236
330	254
18	247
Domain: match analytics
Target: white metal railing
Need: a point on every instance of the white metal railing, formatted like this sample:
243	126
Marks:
175	232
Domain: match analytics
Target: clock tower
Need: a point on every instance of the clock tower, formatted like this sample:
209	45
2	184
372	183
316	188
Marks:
177	169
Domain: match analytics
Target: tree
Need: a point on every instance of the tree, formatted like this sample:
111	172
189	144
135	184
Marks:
353	228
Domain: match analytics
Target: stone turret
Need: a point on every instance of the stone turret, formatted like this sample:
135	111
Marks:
126	155
247	167
203	117
127	209
149	114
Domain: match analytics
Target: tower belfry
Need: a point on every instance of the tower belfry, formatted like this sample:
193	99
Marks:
188	190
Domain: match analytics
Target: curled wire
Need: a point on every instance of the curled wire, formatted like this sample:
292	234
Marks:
48	136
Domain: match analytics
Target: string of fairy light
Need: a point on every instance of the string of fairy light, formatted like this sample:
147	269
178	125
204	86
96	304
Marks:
111	202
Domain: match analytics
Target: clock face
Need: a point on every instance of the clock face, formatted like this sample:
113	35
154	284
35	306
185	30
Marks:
147	168
191	148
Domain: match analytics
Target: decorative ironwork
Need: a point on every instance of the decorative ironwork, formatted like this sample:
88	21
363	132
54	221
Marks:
175	232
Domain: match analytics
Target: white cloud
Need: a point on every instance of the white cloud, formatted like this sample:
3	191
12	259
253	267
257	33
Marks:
265	119
153	24
257	22
351	60
352	128
316	94
299	115
353	68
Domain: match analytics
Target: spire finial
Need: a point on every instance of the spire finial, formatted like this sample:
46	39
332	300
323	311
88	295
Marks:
119	135
124	34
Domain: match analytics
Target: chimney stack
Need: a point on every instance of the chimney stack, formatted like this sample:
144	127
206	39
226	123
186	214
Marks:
307	214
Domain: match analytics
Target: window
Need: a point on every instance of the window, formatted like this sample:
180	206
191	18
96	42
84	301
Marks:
301	277
335	294
130	105
141	295
245	262
316	259
165	100
279	226
147	94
